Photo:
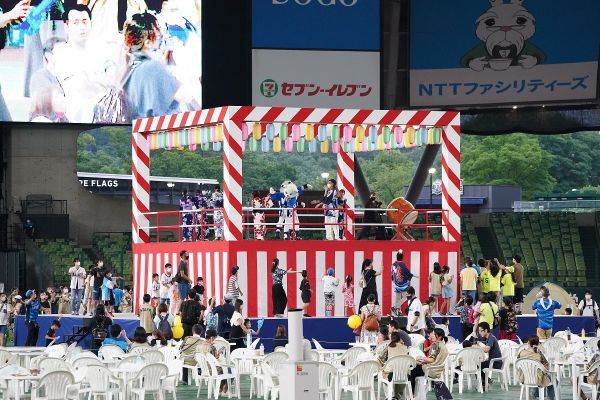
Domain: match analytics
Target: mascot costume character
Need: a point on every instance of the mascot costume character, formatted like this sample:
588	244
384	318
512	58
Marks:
258	204
504	31
401	277
287	200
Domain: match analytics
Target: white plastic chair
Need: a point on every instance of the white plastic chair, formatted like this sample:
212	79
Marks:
170	382
254	343
275	359
400	368
135	360
553	349
361	379
317	344
226	374
86	362
149	381
223	347
101	382
416	339
280	349
349	358
72	351
170	353
469	360
271	383
501	371
83	354
8	391
508	348
592	344
204	376
452	340
56	350
327	381
110	352
424	383
139	350
592	387
415	352
56	385
6	358
243	366
54	364
313	356
153	357
529	369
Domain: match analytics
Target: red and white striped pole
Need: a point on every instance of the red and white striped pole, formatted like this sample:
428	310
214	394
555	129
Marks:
345	172
140	187
451	180
232	176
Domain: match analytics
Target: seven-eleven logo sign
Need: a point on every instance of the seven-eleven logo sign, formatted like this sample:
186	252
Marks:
269	88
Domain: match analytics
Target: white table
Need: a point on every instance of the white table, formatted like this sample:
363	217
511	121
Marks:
16	379
325	354
25	354
125	373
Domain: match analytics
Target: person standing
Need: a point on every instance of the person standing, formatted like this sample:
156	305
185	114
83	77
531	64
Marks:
4	316
224	313
348	291
258	205
216	202
32	310
190	313
368	282
305	293
199	289
278	294
416	319
544	308
435	284
238	328
233	286
78	275
447	289
401	277
166	281
508	321
330	282
588	307
183	280
468	280
97	273
187	218
519	284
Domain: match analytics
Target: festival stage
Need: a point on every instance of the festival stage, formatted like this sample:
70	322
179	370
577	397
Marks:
333	332
69	325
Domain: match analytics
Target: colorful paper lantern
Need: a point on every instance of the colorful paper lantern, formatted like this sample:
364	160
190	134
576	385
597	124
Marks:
354	322
244	131
244	143
300	145
205	146
325	146
335	147
380	144
397	130
364	146
310	132
345	146
360	133
312	146
264	145
322	134
220	133
386	134
252	144
289	144
276	144
373	134
335	133
347	132
217	146
283	131
295	132
256	131
270	132
356	145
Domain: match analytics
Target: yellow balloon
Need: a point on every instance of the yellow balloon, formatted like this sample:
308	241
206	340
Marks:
354	322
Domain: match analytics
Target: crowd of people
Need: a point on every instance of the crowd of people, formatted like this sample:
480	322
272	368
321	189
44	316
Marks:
108	61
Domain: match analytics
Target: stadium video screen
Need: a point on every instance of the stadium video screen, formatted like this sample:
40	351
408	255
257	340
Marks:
99	61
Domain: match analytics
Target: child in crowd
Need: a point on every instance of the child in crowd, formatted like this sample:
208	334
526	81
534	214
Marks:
348	291
330	282
305	292
64	303
476	313
4	314
164	321
155	291
447	290
51	333
118	295
463	309
435	284
251	331
199	289
146	314
107	292
568	311
87	295
174	299
126	302
44	303
445	326
118	337
508	321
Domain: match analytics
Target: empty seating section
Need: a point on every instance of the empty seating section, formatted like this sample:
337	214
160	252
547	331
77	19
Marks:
470	246
59	253
548	242
115	248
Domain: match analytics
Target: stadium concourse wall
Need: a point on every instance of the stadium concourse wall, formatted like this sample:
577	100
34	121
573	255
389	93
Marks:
42	159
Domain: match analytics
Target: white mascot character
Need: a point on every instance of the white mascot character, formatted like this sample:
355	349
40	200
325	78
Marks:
287	200
504	30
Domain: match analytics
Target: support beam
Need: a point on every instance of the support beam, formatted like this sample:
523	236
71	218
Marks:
420	178
360	183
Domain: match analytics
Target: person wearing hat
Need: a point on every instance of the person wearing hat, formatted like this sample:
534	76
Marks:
32	310
330	282
225	313
233	286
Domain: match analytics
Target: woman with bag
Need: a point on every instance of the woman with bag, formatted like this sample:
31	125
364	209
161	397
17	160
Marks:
370	314
368	283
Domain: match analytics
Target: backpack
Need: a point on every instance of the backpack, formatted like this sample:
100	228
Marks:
99	333
371	324
164	327
114	107
496	315
212	322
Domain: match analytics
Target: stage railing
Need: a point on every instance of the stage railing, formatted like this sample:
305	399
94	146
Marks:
296	223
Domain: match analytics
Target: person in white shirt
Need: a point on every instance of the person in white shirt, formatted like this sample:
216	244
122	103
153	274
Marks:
416	318
166	281
4	313
78	275
588	306
330	282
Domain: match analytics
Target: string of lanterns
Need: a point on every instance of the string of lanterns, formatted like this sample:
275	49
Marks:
266	137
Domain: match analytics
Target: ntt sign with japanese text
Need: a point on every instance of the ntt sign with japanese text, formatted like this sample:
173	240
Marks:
473	52
316	53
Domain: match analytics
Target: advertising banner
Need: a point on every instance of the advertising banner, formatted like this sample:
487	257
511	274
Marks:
473	52
72	70
295	78
316	24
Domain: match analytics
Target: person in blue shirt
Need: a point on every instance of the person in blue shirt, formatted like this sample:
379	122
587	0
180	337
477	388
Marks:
118	337
32	310
544	308
118	295
475	266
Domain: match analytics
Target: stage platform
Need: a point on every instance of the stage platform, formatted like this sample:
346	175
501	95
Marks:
68	322
334	333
